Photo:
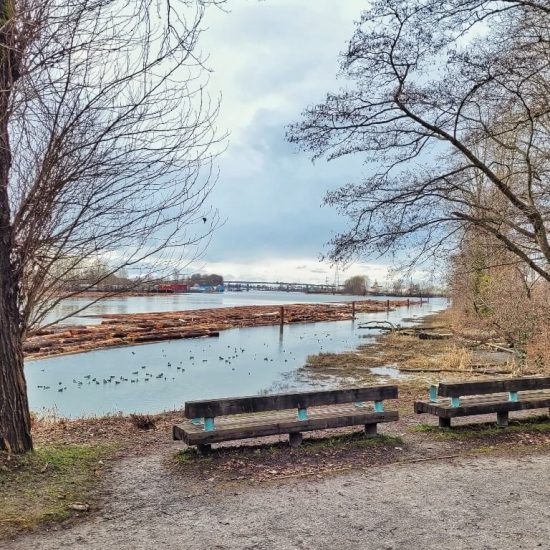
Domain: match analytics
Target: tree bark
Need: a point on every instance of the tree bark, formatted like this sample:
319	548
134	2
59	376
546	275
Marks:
15	422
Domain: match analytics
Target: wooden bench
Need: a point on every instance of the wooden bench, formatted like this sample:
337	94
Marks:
484	397
218	420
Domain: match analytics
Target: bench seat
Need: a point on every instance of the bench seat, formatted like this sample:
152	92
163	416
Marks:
280	422
500	396
484	404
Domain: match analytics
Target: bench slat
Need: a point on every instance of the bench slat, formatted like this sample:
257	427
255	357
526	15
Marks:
280	425
276	416
490	404
498	385
297	400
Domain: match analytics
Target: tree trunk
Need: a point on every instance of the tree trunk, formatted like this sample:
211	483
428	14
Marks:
15	421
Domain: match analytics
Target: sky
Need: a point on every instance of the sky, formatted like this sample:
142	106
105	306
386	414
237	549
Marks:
270	60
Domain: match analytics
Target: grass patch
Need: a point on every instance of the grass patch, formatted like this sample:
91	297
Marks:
41	487
536	424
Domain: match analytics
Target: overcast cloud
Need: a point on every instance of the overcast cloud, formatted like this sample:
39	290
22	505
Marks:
270	60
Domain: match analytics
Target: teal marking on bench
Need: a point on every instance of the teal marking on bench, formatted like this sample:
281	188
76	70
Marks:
513	396
209	425
455	402
302	414
379	406
196	421
359	404
433	393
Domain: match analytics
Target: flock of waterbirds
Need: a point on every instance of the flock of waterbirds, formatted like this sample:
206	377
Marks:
169	373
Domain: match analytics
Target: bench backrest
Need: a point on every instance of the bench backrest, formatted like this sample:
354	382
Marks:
296	400
461	389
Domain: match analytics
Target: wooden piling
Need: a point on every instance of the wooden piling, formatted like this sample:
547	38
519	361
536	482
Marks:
282	315
353	310
388	305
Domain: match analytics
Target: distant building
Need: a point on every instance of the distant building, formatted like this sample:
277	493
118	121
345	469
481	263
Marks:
172	288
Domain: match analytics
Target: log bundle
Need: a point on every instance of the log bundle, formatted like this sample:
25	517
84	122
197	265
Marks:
138	328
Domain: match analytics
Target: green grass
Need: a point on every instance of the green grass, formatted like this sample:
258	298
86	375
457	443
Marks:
536	424
309	446
39	487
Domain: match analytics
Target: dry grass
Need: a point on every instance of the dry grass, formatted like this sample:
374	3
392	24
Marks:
143	421
456	358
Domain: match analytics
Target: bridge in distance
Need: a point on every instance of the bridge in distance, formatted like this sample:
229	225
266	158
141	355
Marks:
281	286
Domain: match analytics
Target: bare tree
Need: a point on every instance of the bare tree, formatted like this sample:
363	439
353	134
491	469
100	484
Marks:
107	142
450	107
356	285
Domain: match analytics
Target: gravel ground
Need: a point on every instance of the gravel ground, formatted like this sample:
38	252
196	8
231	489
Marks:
473	503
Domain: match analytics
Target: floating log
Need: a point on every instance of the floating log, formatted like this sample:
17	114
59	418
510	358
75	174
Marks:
434	335
126	329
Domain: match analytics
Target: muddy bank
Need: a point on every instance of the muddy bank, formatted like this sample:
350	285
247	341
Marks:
431	350
128	329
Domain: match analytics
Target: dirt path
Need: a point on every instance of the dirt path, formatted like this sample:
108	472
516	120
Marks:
473	503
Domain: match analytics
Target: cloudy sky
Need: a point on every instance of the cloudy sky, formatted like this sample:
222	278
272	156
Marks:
270	59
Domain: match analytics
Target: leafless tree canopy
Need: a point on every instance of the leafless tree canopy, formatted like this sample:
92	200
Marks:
111	136
450	108
107	140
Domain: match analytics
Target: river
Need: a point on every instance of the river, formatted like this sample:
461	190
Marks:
181	302
156	377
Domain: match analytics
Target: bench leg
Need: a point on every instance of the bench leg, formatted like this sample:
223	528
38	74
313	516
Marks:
295	439
502	419
371	430
444	422
204	448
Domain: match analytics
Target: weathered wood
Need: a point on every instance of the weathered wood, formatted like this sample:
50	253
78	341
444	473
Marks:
279	425
371	429
461	389
434	335
444	422
204	449
296	400
295	439
502	419
484	405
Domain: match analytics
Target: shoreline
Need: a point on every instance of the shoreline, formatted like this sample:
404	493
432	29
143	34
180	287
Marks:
118	330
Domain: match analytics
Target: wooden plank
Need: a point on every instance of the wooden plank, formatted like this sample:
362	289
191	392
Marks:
282	401
275	416
280	426
491	398
470	408
497	385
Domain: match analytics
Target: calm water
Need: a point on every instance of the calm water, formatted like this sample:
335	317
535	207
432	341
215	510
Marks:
180	302
155	377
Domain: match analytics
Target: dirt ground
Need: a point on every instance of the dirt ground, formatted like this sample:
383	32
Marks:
481	502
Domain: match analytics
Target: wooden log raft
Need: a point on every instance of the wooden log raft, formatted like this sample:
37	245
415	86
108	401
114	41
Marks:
127	329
